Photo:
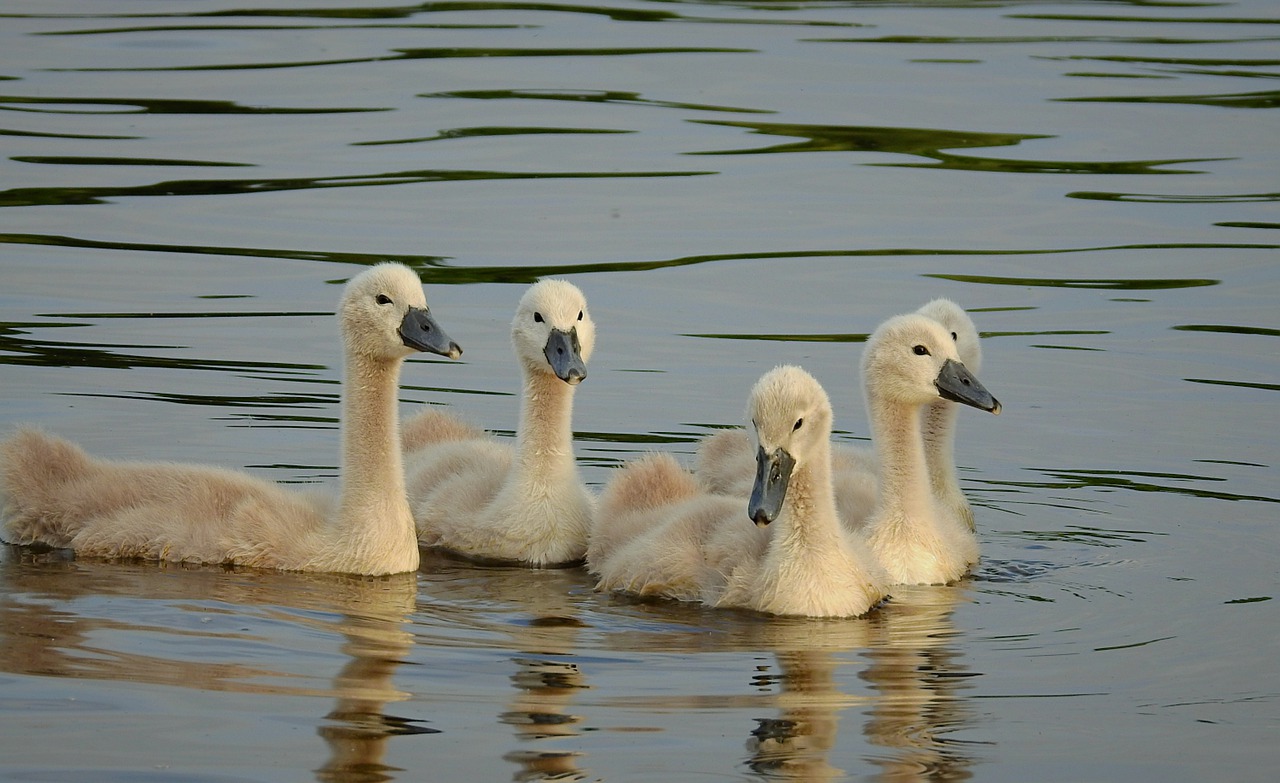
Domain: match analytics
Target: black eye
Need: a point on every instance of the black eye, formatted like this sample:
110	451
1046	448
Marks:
920	350
383	299
579	315
799	422
954	338
537	318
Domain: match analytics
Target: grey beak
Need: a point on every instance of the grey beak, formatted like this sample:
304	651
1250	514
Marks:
957	384
564	354
420	331
773	474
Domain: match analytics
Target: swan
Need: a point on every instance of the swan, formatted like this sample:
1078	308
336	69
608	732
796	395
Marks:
479	498
660	533
910	362
60	496
724	460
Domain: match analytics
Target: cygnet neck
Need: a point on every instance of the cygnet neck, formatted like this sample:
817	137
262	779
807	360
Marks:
939	420
373	487
904	480
545	434
809	519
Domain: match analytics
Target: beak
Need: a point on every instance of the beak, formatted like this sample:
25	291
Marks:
773	473
420	331
957	384
563	353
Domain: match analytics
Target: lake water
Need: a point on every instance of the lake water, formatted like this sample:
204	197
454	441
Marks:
734	185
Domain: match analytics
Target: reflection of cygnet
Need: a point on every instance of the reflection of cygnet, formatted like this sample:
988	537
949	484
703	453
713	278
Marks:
60	496
479	498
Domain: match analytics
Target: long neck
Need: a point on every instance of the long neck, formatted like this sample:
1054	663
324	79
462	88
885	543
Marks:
809	519
545	436
939	420
373	490
904	481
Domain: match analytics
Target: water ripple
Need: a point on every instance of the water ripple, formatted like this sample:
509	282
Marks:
930	143
47	196
439	53
154	106
587	96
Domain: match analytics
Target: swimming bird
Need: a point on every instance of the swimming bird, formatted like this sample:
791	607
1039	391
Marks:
58	495
910	362
724	460
659	533
482	499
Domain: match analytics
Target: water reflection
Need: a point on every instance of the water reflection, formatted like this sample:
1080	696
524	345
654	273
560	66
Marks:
358	727
53	624
797	744
81	195
441	53
535	615
1269	99
930	143
19	348
623	97
906	653
919	676
81	105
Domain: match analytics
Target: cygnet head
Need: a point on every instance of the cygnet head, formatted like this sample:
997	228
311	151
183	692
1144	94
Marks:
791	415
384	316
956	321
912	360
553	332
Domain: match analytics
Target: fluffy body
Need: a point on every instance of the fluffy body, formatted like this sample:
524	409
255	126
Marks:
725	462
659	532
57	495
476	497
915	538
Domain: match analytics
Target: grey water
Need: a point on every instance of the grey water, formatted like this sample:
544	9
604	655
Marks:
734	184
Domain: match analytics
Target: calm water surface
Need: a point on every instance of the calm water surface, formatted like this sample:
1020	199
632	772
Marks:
183	187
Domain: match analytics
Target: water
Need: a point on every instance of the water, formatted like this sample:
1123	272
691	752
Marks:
734	185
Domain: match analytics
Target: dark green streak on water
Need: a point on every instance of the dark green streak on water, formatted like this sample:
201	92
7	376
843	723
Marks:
405	12
70	160
930	143
983	40
39	135
17	348
1135	644
1119	285
1152	19
428	54
1122	479
466	133
1228	329
625	97
26	197
157	106
1147	198
437	269
1246	100
1237	384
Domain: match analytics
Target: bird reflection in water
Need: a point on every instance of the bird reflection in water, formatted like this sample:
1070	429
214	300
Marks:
912	709
545	689
377	641
918	677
